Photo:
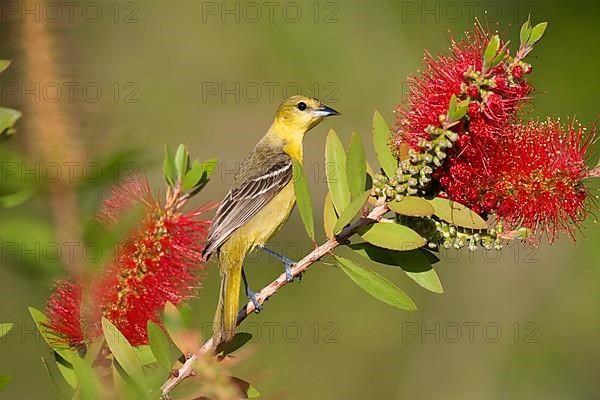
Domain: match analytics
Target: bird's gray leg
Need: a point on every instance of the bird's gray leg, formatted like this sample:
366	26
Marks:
250	294
287	263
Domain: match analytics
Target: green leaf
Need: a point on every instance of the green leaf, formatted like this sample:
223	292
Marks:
335	169
457	109
491	50
351	211
89	384
3	65
59	386
15	199
391	236
415	263
303	199
376	285
5	327
525	31
329	216
8	119
457	214
182	159
498	59
536	33
40	321
193	176
237	342
356	166
252	393
381	142
123	352
66	370
144	354
210	166
169	168
4	381
412	206
161	346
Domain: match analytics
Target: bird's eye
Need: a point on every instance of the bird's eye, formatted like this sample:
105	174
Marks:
302	106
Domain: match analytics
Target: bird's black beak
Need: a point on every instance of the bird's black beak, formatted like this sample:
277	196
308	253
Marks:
325	111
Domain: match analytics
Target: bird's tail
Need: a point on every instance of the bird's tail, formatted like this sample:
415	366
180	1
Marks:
224	324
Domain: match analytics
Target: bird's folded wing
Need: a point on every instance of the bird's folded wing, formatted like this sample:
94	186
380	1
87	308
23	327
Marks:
244	201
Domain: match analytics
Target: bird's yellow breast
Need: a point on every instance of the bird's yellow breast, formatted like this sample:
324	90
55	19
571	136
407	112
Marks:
258	230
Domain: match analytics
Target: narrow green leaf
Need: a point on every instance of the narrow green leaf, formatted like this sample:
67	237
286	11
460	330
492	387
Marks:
123	352
210	166
376	285
351	211
335	169
5	327
329	216
391	236
356	166
169	168
237	342
89	384
61	390
66	370
537	32
181	161
412	206
499	57
3	65
415	263
525	31
8	118
144	354
15	199
160	345
457	214
4	381
381	142
303	199
40	321
452	107
252	393
491	50
193	176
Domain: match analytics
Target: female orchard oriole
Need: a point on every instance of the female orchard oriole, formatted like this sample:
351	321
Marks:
258	203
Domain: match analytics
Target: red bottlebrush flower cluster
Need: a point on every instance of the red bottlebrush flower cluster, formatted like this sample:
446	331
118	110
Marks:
534	179
527	174
494	95
156	264
64	309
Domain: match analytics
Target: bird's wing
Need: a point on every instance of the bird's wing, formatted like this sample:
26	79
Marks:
245	200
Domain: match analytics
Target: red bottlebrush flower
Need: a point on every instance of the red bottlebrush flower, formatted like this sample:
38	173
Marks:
63	310
460	74
156	264
534	179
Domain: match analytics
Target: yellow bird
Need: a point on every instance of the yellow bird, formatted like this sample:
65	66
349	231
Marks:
258	204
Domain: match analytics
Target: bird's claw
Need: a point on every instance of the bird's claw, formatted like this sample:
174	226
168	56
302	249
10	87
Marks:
252	297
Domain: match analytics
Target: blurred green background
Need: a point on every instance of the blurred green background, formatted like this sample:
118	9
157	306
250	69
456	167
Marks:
521	324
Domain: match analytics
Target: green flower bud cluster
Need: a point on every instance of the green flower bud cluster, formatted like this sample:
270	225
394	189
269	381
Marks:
414	173
450	236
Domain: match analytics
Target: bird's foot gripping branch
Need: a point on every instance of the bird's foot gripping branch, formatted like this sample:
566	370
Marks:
462	167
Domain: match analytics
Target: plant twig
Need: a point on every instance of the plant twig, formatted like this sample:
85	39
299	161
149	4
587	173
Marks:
187	368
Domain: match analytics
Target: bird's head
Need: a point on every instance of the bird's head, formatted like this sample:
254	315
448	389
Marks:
301	113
